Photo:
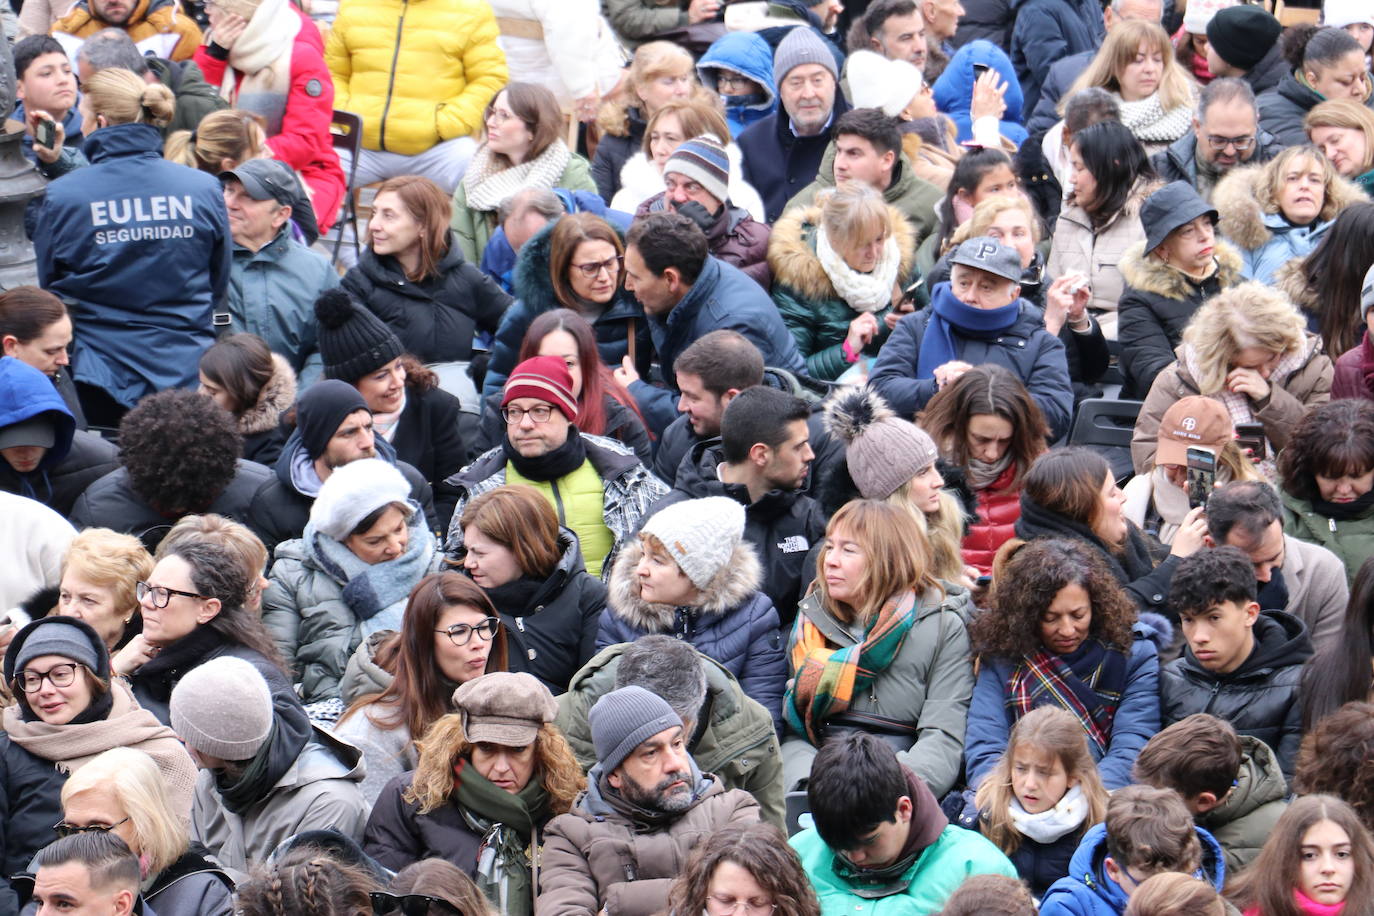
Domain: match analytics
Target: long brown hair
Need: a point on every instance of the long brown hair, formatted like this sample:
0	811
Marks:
429	206
521	520
418	696
242	365
445	744
758	848
897	557
1068	482
538	109
27	311
598	380
985	391
1268	884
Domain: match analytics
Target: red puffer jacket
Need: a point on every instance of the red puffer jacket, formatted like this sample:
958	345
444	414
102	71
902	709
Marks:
999	506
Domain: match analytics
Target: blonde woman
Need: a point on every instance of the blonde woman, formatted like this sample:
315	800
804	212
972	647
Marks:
121	791
1343	129
1136	64
1249	348
841	267
1278	211
99	583
661	72
877	614
222	141
490	776
890	459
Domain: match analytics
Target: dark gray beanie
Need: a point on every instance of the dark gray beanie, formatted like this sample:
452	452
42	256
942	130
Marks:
625	718
65	636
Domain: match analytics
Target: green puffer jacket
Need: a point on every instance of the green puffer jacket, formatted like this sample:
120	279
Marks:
738	744
1351	540
811	307
1245	819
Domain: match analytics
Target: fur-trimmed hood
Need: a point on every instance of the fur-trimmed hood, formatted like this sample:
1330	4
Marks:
792	251
1243	220
276	396
1289	280
1151	275
732	586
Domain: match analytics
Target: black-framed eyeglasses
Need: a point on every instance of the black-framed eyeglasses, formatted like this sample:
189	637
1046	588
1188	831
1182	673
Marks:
460	634
65	830
1241	144
591	269
61	675
162	594
410	904
725	78
514	415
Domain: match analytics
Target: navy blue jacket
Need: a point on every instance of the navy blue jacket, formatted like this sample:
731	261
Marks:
1032	353
140	248
1057	81
722	297
71	127
777	162
1048	30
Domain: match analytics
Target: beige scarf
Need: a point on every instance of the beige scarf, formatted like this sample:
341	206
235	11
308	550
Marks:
262	55
69	747
487	183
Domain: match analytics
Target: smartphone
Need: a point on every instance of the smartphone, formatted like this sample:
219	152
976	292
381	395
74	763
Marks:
45	133
979	70
1251	436
1202	475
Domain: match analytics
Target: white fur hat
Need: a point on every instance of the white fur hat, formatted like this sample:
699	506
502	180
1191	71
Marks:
699	534
876	82
355	491
1341	13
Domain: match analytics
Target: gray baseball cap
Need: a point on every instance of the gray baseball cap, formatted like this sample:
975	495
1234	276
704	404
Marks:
985	253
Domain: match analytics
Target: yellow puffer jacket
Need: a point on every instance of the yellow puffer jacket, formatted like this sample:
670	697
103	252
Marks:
433	88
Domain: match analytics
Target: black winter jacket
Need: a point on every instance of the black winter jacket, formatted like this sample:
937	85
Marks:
551	624
435	437
437	318
1156	306
279	510
777	162
1268	73
89	459
1260	698
1283	108
613	151
782	525
193	885
30	803
1042	864
1178	162
111	502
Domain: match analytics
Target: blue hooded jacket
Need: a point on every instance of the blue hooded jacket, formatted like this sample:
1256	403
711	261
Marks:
746	54
498	258
26	393
1087	891
140	249
954	90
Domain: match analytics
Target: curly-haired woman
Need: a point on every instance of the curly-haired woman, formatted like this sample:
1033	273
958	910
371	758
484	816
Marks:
1061	630
1335	758
1327	479
490	777
748	866
1342	671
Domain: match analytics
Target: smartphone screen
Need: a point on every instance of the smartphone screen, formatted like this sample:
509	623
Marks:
979	70
1251	436
45	133
1202	474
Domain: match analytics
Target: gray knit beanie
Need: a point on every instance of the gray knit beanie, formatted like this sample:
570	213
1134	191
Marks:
699	534
223	709
625	718
882	451
803	45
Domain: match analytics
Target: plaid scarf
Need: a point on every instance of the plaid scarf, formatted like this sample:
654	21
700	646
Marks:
1088	683
827	678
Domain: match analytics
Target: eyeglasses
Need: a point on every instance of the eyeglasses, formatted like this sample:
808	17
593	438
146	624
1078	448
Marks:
162	594
498	116
592	269
726	80
514	415
718	905
60	675
409	904
65	830
460	634
1240	143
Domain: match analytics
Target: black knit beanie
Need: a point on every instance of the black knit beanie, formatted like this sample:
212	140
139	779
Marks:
1242	35
353	341
321	409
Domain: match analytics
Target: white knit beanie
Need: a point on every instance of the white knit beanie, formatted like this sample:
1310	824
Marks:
876	82
699	534
1341	13
355	491
223	709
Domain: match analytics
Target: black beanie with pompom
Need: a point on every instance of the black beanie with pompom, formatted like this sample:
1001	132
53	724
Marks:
353	341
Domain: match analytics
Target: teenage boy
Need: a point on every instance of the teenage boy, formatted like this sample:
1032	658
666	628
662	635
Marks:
1231	783
880	843
1241	664
45	88
1147	831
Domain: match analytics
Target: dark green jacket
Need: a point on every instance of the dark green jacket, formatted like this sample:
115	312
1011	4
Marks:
1244	820
915	197
1351	540
195	98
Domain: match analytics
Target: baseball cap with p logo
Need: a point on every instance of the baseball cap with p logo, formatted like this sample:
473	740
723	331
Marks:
986	253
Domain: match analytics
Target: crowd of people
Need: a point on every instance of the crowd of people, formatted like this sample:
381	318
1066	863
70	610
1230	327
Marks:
670	495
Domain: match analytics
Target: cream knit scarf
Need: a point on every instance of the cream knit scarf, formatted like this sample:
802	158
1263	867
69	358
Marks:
1150	123
870	292
262	56
487	183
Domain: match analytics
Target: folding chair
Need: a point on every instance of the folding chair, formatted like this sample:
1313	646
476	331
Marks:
1106	426
346	133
